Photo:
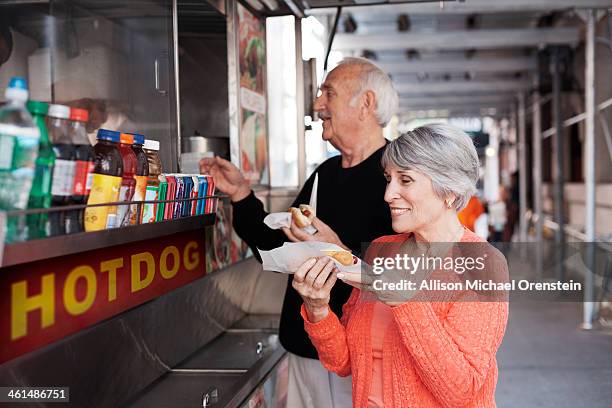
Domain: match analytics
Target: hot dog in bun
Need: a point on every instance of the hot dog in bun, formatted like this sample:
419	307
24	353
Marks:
344	257
302	216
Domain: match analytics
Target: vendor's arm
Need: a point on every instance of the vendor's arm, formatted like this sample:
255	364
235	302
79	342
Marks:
248	211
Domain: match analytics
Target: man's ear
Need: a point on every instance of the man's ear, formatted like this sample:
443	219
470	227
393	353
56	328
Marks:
368	104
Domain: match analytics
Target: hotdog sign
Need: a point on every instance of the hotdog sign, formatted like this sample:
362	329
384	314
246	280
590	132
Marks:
44	301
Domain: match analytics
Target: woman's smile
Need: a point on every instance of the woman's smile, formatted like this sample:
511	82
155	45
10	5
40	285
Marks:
397	211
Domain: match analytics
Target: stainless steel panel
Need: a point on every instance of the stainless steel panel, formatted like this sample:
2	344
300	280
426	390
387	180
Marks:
177	390
258	322
108	364
233	351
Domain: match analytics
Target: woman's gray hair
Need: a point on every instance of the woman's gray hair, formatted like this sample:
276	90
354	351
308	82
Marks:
444	153
376	80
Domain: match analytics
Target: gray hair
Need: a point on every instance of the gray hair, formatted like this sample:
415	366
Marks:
444	153
376	80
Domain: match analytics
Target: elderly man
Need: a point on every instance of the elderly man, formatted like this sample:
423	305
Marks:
356	101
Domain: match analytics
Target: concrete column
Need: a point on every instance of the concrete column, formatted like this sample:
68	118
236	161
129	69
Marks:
537	174
559	179
299	94
522	167
589	174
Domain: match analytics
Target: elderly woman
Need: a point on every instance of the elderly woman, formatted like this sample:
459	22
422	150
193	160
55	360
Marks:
412	352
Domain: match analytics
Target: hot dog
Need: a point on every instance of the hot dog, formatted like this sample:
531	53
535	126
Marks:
302	216
344	257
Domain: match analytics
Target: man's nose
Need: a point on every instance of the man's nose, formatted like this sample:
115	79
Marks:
318	104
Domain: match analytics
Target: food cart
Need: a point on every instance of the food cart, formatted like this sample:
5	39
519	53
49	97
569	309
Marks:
175	313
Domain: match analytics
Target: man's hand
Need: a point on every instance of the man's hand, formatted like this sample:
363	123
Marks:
314	281
324	234
227	177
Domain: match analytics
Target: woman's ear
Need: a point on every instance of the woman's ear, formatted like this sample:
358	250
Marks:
450	201
368	104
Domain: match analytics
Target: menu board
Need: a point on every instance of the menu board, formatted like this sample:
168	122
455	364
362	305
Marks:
252	96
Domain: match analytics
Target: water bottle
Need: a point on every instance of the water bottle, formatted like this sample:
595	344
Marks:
40	195
19	137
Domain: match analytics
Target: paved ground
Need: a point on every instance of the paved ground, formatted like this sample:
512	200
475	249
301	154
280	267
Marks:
547	361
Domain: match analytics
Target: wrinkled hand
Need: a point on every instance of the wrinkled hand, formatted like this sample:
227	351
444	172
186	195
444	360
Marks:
384	286
314	281
228	177
324	234
366	280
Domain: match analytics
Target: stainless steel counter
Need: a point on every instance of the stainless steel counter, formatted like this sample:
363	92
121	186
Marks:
224	372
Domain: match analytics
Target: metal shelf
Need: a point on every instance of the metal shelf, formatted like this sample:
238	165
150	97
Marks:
36	250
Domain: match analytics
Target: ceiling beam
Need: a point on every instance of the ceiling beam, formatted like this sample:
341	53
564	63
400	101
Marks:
455	87
466	107
457	100
469	7
455	40
454	113
480	65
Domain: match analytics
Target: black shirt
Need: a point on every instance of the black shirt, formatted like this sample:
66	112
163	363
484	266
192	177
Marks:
349	200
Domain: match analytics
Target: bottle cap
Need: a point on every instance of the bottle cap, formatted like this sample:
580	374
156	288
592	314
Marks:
110	135
151	144
138	139
59	111
17	89
81	115
126	138
37	107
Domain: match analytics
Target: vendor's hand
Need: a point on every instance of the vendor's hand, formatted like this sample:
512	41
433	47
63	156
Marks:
228	177
324	233
314	280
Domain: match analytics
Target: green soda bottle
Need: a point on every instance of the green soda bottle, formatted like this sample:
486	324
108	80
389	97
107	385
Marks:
40	195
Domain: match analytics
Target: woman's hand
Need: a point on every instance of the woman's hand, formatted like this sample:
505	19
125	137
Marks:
314	280
324	233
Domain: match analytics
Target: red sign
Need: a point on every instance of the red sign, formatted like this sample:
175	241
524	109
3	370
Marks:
44	301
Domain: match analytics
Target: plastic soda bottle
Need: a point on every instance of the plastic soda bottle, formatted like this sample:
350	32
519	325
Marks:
19	137
83	169
40	195
151	149
107	176
128	184
63	172
142	172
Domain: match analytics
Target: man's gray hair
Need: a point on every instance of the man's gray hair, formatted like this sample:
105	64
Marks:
376	80
444	153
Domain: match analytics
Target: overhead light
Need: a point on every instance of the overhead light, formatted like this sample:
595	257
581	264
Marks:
472	22
412	54
490	151
371	55
350	25
403	23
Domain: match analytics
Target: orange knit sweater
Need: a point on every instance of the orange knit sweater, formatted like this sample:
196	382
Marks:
436	354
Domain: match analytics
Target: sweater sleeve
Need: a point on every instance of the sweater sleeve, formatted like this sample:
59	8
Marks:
248	215
329	337
453	354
